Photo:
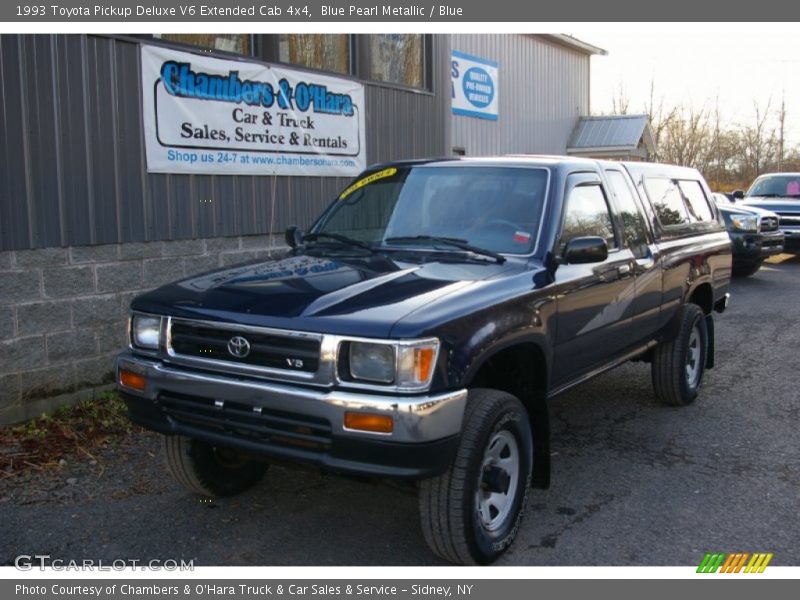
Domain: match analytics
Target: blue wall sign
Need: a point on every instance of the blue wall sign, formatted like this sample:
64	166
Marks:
473	86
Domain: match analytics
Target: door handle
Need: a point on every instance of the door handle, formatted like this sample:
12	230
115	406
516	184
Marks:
624	270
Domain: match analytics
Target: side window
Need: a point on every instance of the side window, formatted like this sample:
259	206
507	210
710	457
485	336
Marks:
237	43
696	200
587	214
632	220
324	51
667	201
398	58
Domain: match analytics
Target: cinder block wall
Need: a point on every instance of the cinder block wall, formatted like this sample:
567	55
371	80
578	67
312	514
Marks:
63	311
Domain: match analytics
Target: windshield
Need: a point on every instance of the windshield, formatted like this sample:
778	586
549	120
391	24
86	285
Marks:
776	185
494	208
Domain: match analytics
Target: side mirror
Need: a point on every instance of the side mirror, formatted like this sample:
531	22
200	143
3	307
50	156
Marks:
294	236
738	194
583	250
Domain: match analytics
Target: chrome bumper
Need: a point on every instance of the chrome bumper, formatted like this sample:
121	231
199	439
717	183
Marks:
417	419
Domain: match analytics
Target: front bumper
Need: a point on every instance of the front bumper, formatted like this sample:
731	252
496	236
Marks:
792	237
296	423
751	246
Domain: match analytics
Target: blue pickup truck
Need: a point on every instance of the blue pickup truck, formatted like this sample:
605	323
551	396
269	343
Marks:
779	193
421	326
755	234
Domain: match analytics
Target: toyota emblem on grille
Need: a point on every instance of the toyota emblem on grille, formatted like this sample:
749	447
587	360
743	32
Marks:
238	346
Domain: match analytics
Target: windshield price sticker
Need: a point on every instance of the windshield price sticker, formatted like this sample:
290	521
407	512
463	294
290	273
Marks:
367	180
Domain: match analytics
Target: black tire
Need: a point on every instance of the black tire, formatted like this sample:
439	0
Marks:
453	507
746	269
210	470
679	364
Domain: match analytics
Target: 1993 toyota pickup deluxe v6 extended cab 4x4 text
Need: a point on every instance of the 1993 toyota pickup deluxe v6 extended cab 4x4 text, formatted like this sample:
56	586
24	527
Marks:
419	328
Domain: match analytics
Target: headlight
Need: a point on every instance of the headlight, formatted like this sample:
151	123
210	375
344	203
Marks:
372	362
145	331
407	365
744	222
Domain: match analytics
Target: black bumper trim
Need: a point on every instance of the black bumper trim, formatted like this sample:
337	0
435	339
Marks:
754	246
352	456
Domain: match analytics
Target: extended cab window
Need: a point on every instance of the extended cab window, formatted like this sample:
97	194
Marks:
696	200
587	214
667	201
632	220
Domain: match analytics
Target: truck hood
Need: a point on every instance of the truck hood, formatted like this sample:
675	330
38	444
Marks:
344	294
776	205
745	209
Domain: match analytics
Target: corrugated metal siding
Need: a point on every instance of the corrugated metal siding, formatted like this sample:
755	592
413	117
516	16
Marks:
543	89
72	162
407	124
611	131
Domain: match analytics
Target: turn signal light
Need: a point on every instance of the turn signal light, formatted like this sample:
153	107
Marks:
369	422
132	380
424	363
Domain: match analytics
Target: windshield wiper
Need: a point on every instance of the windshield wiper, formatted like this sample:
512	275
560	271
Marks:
459	243
312	237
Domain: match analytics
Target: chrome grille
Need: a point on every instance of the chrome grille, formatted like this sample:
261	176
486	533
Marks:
790	219
270	350
769	223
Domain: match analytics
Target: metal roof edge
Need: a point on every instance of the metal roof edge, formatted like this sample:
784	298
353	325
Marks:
579	149
574	43
612	117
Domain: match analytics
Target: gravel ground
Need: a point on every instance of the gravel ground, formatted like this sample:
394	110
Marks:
116	471
634	483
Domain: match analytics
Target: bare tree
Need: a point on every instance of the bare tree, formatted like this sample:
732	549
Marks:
781	132
730	156
686	139
758	142
620	101
659	117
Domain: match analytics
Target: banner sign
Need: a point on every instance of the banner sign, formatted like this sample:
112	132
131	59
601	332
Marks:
231	117
473	86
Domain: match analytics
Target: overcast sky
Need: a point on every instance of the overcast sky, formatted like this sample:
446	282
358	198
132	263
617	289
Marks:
696	67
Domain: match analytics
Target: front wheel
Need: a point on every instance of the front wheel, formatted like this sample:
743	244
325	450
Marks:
471	513
745	269
679	364
210	470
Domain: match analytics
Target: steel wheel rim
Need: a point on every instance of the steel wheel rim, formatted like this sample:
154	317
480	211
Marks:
693	357
501	457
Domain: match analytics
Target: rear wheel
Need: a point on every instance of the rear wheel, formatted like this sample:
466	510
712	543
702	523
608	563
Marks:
679	364
471	513
210	470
